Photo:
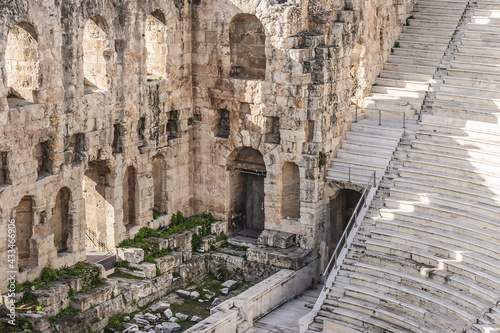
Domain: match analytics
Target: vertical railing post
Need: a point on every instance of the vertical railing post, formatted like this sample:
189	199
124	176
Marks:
380	117
349	174
404	120
356	116
374	178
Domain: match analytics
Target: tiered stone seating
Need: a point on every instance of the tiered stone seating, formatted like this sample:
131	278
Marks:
430	262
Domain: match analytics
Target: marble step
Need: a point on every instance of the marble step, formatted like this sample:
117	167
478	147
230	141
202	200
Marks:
398	92
477	50
420	53
468	180
427	300
371	127
461	141
400	75
435	16
429	30
424	38
370	138
452	11
363	320
444	188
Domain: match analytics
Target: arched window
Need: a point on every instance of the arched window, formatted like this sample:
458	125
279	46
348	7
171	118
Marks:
21	62
159	184
96	52
156	45
290	195
248	47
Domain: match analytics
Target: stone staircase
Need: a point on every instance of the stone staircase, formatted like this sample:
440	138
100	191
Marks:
426	258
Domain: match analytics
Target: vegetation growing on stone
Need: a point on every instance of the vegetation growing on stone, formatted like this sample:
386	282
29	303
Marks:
178	223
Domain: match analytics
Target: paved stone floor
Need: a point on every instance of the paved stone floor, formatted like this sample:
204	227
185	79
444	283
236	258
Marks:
285	318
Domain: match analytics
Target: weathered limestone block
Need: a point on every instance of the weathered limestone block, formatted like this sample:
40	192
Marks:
206	243
193	269
291	258
54	298
169	263
218	227
38	320
147	270
84	301
132	255
162	242
278	239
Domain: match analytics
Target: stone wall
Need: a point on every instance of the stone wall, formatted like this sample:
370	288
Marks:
95	114
101	89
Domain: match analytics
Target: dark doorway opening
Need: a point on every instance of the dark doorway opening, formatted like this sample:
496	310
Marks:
340	210
247	209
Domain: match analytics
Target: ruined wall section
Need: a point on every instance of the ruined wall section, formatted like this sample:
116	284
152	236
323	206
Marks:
313	69
270	114
74	128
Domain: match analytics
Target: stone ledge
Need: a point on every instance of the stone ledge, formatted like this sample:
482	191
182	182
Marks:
291	258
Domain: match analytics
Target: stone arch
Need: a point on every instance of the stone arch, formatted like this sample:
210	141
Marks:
22	62
129	197
156	45
99	210
96	53
248	47
290	194
61	220
24	230
159	183
247	171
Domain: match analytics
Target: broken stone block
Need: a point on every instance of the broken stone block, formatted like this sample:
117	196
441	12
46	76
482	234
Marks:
194	295
159	307
196	319
181	316
150	317
216	302
183	293
229	283
171	327
173	320
130	254
284	240
130	328
224	291
139	320
168	313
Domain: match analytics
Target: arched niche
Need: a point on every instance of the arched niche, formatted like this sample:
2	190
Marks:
156	45
22	62
248	47
96	54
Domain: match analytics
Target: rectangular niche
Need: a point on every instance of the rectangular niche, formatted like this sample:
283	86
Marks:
117	145
223	127
4	168
173	125
43	158
272	130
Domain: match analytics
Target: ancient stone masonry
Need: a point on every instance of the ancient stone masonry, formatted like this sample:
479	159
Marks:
109	110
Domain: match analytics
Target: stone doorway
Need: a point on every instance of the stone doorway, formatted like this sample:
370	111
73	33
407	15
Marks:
255	202
340	209
246	197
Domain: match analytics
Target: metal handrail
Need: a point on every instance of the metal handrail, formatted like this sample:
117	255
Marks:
372	182
380	116
96	241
